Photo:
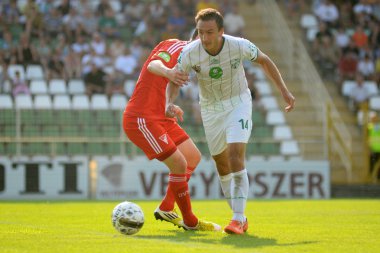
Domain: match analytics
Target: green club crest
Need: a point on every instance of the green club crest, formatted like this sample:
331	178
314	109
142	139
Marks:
215	72
165	56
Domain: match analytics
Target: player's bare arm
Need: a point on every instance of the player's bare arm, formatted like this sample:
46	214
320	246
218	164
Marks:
172	110
175	76
273	73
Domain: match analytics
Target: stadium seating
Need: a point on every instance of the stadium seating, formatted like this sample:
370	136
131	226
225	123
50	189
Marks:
80	102
118	102
374	103
275	117
16	67
42	102
282	133
6	101
34	72
61	102
57	86
23	101
38	87
289	148
76	86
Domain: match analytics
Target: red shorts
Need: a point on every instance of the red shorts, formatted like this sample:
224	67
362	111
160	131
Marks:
157	138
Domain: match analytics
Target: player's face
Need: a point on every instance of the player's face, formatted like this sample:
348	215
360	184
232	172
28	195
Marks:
210	36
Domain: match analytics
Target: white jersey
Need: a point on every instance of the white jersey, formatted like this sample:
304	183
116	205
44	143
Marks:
221	77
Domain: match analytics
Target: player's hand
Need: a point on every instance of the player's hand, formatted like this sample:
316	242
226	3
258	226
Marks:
178	77
173	111
289	99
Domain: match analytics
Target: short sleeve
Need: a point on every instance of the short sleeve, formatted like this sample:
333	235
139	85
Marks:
169	60
183	62
250	51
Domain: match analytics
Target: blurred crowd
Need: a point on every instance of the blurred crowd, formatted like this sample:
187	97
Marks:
103	42
346	45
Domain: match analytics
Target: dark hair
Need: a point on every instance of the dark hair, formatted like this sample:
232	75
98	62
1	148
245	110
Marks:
210	14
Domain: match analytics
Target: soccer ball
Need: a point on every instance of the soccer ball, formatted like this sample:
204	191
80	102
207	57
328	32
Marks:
127	218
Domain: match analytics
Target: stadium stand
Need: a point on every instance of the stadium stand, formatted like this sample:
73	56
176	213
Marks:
58	116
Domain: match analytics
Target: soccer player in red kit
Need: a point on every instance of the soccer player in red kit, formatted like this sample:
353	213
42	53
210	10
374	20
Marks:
161	138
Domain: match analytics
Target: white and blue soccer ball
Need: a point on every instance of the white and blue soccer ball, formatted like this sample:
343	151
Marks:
127	218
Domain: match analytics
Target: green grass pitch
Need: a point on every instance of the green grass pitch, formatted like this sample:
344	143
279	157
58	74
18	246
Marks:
275	226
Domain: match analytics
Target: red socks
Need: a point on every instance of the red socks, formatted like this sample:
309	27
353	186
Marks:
180	189
167	203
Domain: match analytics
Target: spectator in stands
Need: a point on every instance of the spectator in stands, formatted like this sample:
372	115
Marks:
341	38
95	80
19	85
53	23
98	44
80	46
359	94
363	7
3	78
366	67
82	6
346	17
108	24
11	13
27	53
55	66
102	7
89	23
34	19
44	51
117	48
134	13
347	67
45	6
72	24
64	7
8	47
125	68
327	12
360	37
234	22
136	49
295	7
327	55
156	10
177	22
72	65
374	141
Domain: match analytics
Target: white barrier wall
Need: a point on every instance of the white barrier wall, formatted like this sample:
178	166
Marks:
122	179
142	179
48	180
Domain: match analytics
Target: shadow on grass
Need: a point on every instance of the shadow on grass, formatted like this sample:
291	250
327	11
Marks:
237	241
251	241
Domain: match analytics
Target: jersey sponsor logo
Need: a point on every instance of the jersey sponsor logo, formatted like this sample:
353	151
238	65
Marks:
165	56
215	72
196	68
214	61
164	138
235	63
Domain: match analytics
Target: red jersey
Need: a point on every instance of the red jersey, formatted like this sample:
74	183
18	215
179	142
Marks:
149	97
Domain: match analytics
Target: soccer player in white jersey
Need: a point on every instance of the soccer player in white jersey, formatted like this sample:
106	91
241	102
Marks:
226	104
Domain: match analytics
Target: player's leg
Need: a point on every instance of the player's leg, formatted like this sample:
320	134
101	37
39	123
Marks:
150	136
239	188
190	152
225	174
238	132
178	185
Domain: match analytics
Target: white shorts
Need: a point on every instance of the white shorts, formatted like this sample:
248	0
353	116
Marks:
221	128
